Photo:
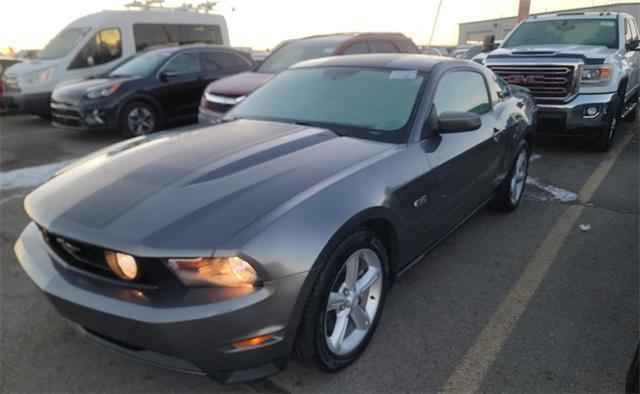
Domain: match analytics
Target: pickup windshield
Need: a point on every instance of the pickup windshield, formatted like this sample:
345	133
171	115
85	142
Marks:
601	32
358	102
63	43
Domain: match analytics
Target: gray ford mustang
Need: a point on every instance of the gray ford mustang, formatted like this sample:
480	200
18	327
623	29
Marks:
222	250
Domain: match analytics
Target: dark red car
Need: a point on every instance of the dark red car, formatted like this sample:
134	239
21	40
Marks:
224	93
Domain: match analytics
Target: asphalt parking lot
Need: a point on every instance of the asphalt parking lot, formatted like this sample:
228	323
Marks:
542	300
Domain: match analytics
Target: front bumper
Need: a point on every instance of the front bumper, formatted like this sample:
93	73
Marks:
207	116
36	104
571	119
192	338
96	116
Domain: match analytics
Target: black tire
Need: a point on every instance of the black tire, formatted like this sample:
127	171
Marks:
603	140
311	344
631	116
144	112
503	201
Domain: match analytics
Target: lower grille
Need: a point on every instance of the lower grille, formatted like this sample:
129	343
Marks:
66	117
217	107
544	81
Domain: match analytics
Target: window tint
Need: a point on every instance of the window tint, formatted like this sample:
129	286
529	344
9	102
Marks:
568	31
148	35
462	91
382	47
218	60
184	63
104	47
63	43
359	47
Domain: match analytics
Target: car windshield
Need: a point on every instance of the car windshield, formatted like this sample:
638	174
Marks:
360	102
63	43
295	52
568	31
141	65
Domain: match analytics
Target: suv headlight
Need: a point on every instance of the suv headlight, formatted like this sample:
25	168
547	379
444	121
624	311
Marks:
43	75
596	74
103	91
218	271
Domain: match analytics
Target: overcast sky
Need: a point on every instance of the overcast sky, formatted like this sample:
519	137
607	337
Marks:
262	24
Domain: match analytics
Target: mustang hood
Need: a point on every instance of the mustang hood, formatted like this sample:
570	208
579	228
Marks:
239	84
595	53
184	194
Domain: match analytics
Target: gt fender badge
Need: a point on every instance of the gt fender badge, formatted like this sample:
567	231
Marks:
420	201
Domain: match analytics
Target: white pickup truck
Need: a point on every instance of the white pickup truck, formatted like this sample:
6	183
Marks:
582	68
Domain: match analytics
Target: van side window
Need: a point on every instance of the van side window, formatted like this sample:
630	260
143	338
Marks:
104	47
149	34
475	98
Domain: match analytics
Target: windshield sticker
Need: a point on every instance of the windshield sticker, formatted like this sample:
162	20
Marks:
403	74
328	51
607	23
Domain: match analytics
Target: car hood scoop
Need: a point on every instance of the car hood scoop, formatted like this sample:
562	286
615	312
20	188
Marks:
193	190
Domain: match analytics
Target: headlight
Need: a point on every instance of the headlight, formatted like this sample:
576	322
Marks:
43	75
103	91
595	74
225	271
123	265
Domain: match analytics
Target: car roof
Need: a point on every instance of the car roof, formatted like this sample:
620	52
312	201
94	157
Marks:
575	15
391	61
179	48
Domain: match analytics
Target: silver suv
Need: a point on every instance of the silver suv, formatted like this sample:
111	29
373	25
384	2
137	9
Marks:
583	69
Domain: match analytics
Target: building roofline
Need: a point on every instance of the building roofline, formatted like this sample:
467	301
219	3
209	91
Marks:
555	12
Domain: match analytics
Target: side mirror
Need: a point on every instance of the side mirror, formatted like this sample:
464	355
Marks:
632	45
166	75
457	122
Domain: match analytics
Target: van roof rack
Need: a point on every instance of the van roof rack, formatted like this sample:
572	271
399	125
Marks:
149	5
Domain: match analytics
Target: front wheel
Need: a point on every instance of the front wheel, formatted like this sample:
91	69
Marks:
139	118
603	140
510	193
344	305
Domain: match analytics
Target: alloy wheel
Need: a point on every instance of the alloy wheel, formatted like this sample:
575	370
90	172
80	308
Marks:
353	302
519	176
140	121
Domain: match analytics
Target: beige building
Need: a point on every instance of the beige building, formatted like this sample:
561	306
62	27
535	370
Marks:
474	32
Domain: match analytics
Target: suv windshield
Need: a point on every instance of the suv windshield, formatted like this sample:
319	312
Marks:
359	102
295	52
63	43
567	31
141	65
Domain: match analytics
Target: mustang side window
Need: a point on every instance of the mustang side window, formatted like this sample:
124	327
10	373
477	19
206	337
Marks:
462	91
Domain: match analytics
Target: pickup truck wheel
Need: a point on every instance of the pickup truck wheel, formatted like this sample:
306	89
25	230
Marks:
510	193
631	116
604	138
345	303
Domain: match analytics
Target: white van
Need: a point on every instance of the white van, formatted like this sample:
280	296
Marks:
95	43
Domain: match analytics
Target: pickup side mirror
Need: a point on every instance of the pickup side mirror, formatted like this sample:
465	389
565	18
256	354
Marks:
167	75
457	122
632	45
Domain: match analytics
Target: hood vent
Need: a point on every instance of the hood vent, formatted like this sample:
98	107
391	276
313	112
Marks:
533	53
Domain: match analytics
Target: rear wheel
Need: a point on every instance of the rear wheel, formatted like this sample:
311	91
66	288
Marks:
139	118
344	305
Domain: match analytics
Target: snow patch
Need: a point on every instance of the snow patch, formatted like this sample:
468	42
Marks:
30	176
549	192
